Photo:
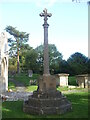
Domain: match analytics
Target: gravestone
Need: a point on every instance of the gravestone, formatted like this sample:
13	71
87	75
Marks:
4	61
83	80
30	73
63	79
46	100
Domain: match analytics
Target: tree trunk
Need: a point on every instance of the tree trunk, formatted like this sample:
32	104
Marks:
18	70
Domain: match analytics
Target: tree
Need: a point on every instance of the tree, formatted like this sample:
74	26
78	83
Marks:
54	58
31	60
78	63
16	43
88	66
65	67
22	55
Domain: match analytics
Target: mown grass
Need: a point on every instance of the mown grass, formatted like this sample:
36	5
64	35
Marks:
79	108
31	88
11	85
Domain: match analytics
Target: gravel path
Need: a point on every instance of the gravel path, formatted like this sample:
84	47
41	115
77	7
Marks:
14	96
75	91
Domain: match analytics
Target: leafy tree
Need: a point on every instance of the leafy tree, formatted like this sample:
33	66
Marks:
78	63
88	66
64	67
16	42
31	60
25	49
54	58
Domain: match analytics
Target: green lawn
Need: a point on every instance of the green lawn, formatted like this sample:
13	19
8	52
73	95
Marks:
31	88
79	108
62	88
11	85
23	78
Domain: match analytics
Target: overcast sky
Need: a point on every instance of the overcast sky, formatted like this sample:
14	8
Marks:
68	26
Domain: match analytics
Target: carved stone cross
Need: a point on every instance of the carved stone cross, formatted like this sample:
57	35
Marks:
45	25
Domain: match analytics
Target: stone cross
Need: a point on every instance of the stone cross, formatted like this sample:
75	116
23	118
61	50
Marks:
45	25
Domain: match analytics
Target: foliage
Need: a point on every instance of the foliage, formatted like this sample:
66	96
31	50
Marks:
16	42
24	51
11	85
78	63
31	60
64	67
14	109
54	58
72	80
23	78
88	66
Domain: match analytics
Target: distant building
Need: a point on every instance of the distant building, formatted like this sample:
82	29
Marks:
3	62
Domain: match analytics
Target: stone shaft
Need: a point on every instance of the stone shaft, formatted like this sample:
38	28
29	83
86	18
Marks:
46	55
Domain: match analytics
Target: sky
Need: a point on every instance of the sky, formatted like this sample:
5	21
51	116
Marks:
68	25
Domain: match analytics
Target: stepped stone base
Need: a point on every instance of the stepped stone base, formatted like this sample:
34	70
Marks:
47	100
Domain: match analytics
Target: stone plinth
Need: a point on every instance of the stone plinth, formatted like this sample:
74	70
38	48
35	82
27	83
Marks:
47	82
83	80
47	100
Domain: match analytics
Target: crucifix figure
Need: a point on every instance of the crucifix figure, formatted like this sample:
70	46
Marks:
45	25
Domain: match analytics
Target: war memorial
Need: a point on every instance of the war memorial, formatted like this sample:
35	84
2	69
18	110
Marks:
46	100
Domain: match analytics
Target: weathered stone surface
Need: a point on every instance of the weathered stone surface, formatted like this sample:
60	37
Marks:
46	100
83	80
4	61
62	79
30	73
47	82
50	102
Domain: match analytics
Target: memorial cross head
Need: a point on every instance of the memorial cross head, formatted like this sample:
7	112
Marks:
45	15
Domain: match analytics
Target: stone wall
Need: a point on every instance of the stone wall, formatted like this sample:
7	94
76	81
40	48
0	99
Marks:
4	61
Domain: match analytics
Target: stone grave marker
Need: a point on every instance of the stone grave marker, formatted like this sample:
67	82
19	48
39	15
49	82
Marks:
83	80
63	79
30	73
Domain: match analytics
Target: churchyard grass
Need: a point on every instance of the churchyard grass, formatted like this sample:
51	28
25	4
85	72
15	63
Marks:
11	85
62	88
79	102
23	78
31	88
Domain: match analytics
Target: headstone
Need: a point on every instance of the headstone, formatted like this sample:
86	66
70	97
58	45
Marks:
46	100
63	79
4	61
30	73
83	80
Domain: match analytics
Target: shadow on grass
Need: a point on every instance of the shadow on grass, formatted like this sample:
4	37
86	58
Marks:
79	108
